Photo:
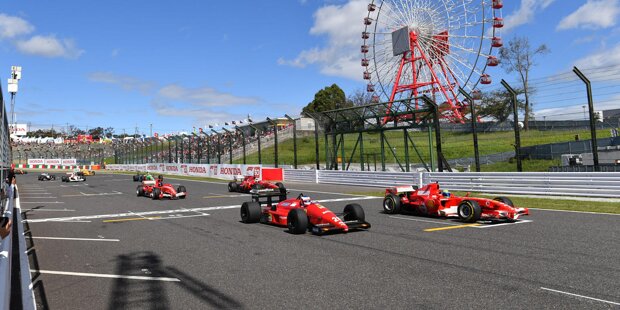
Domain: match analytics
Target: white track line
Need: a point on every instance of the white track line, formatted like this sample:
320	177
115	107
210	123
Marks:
101	275
48	210
571	211
99	194
424	221
503	224
581	296
49	197
43	202
149	213
77	239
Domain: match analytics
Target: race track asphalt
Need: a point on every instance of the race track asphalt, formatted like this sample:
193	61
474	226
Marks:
196	254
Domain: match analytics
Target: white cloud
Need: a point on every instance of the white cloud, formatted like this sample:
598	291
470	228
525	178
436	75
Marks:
604	58
525	13
125	82
11	26
204	96
49	46
115	52
342	24
593	14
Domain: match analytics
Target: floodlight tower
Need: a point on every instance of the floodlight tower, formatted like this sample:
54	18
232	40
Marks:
16	75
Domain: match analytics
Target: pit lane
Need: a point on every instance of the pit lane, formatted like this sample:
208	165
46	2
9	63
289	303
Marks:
195	254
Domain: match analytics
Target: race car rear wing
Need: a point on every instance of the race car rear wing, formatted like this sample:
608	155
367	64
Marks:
268	196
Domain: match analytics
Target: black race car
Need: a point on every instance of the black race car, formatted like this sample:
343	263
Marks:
46	177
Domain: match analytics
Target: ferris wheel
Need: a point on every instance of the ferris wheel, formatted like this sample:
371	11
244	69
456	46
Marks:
430	47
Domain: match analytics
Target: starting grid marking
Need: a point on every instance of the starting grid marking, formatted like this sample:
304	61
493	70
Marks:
163	212
98	194
453	225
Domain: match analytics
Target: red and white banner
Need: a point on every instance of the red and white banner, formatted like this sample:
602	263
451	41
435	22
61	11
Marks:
36	161
69	162
221	171
53	161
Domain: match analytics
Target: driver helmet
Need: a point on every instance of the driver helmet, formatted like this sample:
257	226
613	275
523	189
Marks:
160	177
446	193
305	200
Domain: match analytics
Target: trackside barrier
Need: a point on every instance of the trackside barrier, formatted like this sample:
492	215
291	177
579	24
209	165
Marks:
218	171
15	241
594	184
368	178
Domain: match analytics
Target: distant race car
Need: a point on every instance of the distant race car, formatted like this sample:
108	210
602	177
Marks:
252	183
46	177
85	172
73	177
20	171
432	201
300	214
139	177
156	189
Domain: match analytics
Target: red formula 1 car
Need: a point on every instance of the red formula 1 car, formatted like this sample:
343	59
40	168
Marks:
252	183
300	214
157	189
432	201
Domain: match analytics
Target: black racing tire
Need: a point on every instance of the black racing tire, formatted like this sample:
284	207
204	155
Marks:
53	177
140	190
250	212
40	178
297	221
354	212
281	187
181	189
469	211
505	200
65	179
135	178
391	204
156	193
233	186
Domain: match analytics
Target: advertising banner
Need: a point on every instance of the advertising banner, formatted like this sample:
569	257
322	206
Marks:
222	171
53	161
19	129
36	161
69	162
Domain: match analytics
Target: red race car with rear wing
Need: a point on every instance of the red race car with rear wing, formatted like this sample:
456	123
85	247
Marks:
301	214
157	189
252	183
432	201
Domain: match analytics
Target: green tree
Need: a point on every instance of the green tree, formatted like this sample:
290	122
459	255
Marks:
96	132
328	98
498	105
360	97
519	57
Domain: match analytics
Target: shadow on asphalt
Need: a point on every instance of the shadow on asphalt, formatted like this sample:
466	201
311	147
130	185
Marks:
132	294
206	293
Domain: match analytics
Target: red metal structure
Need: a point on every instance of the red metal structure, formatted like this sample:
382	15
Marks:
436	48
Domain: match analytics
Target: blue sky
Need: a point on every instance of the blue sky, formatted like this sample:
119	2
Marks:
180	64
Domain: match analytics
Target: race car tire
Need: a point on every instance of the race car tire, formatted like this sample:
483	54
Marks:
181	189
53	177
233	186
40	179
354	212
505	200
250	212
391	204
140	190
65	179
297	221
469	211
281	187
135	178
156	193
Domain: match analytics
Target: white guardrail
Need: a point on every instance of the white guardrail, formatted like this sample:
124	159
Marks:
578	184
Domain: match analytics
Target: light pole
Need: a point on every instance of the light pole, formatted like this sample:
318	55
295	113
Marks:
219	148
16	75
230	146
294	140
207	137
242	141
257	132
275	137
